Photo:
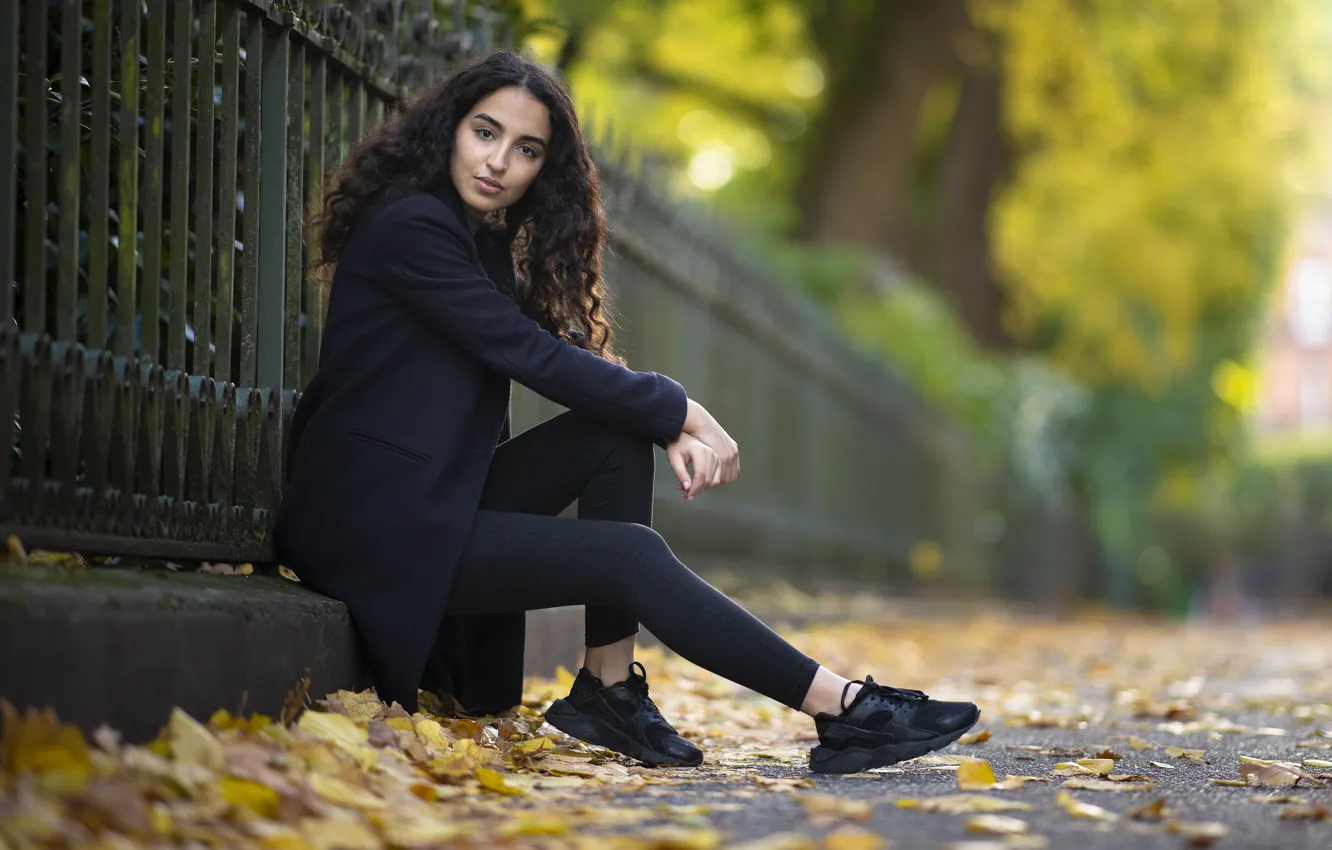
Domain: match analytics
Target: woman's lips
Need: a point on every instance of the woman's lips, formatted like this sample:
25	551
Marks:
487	188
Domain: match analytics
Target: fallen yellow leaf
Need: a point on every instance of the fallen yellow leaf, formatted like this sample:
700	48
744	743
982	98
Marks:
418	831
335	790
957	804
361	707
782	841
825	808
975	775
535	825
340	834
493	780
242	793
336	729
996	824
192	743
1079	809
1090	784
853	838
533	746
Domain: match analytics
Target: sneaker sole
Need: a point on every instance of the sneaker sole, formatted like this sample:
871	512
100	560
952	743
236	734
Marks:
594	730
858	759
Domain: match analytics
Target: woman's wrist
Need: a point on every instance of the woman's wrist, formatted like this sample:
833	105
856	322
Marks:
695	416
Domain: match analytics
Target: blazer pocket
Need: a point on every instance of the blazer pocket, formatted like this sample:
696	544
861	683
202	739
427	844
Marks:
370	439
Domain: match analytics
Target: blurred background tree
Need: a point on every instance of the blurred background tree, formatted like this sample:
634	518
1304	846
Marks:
1061	220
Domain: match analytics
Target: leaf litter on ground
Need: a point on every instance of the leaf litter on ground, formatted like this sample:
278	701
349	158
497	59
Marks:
349	771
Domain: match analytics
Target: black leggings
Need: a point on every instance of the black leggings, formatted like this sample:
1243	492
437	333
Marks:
522	556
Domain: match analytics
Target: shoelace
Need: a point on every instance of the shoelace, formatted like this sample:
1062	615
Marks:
869	687
640	686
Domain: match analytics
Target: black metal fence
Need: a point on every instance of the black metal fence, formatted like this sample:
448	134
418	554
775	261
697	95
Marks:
162	323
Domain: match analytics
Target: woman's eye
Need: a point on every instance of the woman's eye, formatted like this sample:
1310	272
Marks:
484	132
527	150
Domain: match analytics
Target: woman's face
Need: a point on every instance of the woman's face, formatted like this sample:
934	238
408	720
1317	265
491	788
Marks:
499	150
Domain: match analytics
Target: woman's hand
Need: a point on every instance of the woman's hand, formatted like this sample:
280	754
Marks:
685	450
701	425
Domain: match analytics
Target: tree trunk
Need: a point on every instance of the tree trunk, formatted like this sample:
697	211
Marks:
856	179
976	160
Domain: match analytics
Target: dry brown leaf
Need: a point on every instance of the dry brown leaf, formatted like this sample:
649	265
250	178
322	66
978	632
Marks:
1275	773
1139	744
361	707
1198	834
1181	753
1305	811
1153	811
975	737
294	703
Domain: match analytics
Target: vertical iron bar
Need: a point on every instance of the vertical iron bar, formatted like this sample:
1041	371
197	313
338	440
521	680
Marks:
154	160
34	143
127	184
336	91
203	191
226	190
355	111
291	345
272	206
314	311
182	69
9	74
254	52
99	197
71	71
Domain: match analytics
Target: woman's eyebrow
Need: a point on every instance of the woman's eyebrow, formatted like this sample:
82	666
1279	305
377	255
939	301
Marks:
481	116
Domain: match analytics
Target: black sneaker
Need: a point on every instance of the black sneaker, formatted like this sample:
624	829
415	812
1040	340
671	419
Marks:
885	725
621	717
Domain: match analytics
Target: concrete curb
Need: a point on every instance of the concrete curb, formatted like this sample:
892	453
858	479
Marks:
123	647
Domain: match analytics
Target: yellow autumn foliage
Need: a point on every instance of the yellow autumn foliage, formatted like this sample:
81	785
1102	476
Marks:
1156	143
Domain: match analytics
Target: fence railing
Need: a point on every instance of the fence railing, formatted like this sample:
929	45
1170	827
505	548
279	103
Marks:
162	323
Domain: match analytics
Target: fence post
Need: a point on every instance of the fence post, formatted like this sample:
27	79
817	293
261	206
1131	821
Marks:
273	200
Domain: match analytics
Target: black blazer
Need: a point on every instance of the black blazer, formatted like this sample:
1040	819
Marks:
392	440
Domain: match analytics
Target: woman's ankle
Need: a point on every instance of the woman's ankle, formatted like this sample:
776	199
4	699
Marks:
827	692
610	663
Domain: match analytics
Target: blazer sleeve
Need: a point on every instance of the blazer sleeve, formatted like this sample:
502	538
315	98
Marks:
430	273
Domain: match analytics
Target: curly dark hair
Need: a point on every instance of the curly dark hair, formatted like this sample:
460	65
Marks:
556	231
